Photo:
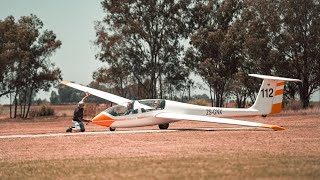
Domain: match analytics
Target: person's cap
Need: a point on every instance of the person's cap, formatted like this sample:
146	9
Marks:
81	103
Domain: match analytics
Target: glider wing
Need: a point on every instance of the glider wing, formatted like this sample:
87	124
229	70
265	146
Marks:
108	96
188	117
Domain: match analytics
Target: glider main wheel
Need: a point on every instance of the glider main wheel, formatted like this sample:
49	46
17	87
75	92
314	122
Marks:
264	115
112	129
164	126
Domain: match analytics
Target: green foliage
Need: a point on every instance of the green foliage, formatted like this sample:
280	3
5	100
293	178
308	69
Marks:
45	111
140	41
214	54
54	98
25	50
266	37
283	38
68	94
40	101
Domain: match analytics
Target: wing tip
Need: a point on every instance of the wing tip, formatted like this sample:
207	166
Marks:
274	127
64	82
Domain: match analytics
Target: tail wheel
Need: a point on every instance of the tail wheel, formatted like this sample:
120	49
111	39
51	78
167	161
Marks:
164	126
112	129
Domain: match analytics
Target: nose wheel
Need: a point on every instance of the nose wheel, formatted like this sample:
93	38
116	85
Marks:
112	129
164	126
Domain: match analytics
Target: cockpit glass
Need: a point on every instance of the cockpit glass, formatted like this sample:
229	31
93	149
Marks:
141	106
153	104
117	110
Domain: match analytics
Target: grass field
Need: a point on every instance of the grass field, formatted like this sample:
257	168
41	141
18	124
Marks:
218	166
224	152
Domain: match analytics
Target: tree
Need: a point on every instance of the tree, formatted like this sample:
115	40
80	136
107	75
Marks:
143	38
116	77
54	98
293	29
214	55
68	94
28	52
8	43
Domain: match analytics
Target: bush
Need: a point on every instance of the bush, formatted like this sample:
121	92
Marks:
33	113
201	102
46	111
295	105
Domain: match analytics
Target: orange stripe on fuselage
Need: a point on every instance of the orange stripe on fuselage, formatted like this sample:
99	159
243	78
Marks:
279	92
276	108
103	120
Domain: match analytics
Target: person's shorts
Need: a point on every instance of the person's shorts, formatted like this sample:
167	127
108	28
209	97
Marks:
78	125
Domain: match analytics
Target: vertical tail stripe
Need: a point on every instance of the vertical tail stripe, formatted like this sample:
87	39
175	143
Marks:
277	100
276	108
281	83
279	92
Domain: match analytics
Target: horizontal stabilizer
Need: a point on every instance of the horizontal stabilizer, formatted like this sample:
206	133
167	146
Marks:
274	77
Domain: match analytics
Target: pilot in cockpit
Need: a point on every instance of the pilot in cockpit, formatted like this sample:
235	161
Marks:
129	108
156	105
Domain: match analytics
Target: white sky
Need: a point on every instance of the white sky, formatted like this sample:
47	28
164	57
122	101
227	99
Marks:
73	23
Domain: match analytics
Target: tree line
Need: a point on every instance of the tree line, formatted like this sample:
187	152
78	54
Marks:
151	48
25	66
143	46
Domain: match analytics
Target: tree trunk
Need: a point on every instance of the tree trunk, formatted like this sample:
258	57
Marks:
304	96
24	105
29	103
15	105
20	104
10	106
189	92
210	89
160	84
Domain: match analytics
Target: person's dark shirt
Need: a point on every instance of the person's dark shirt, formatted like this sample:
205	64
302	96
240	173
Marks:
78	113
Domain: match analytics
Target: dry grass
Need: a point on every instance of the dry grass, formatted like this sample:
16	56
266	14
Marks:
222	166
308	111
187	154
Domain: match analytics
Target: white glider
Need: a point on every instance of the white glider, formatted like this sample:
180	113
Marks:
269	101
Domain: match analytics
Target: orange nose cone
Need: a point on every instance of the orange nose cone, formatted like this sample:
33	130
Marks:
103	120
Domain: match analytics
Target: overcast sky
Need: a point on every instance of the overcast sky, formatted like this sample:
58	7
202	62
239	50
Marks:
73	23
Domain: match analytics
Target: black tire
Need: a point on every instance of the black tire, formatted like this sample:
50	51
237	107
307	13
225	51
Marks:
264	115
164	126
112	129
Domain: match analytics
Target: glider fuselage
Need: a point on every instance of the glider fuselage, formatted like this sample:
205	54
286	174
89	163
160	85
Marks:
148	117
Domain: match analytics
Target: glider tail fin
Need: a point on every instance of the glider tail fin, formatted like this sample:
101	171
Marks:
269	99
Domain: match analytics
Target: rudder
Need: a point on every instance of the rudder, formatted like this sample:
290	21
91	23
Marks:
270	95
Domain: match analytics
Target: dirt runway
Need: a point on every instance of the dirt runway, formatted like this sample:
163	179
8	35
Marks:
188	140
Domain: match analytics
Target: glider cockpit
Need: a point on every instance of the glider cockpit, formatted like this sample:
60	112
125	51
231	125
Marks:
136	107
